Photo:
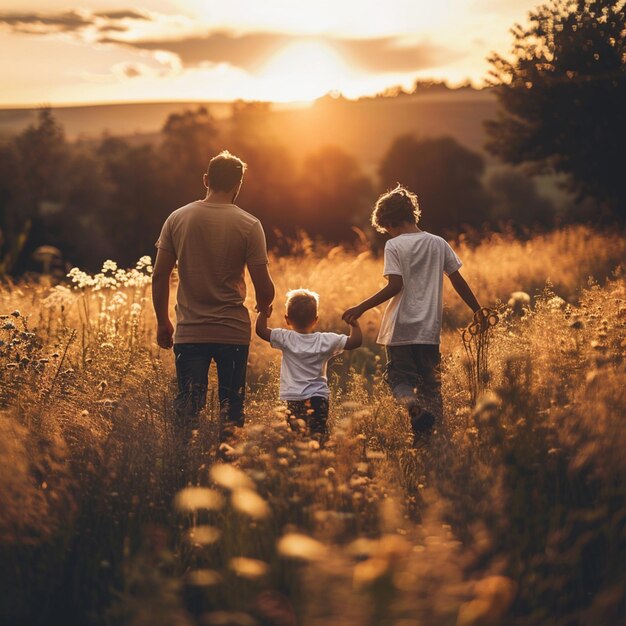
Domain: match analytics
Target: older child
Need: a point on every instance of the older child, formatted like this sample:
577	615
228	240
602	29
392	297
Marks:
415	262
303	382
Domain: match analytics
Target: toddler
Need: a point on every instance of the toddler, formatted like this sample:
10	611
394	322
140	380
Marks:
303	382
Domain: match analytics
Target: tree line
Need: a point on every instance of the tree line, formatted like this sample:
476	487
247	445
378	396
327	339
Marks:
561	93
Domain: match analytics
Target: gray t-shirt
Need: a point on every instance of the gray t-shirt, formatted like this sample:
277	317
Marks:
213	243
414	315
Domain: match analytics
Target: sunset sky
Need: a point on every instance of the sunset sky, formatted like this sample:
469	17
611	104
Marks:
283	50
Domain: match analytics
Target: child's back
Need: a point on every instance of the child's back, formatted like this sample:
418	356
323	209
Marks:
305	359
303	382
414	315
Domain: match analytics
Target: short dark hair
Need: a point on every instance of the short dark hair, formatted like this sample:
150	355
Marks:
225	171
302	306
394	208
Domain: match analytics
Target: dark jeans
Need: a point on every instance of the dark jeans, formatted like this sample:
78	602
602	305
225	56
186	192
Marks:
414	374
314	411
193	361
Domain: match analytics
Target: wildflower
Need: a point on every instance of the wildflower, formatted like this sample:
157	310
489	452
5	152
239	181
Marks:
203	535
350	405
369	571
203	578
329	472
194	498
248	568
250	503
8	326
230	477
144	261
16	313
519	301
302	547
109	266
494	596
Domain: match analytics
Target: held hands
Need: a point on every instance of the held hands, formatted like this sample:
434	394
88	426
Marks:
165	334
267	312
351	315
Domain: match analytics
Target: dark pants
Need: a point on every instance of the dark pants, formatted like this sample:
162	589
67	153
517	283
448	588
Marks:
193	361
314	412
414	374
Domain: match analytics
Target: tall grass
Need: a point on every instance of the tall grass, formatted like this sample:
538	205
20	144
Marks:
514	514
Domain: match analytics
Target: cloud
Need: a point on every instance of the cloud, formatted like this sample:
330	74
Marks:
69	21
387	54
122	15
250	51
34	22
247	51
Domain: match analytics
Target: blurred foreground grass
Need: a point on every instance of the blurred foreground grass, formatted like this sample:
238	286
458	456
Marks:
514	515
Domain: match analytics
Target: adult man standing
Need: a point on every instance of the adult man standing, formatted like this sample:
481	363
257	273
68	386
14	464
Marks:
213	241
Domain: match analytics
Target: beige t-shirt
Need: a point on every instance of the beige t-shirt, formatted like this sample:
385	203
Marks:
213	243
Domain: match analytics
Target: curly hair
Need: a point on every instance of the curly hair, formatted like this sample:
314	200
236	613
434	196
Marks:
301	306
394	208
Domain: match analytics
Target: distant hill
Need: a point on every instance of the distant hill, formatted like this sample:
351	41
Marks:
364	127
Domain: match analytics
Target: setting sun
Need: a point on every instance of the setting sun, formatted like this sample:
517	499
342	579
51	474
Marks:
305	71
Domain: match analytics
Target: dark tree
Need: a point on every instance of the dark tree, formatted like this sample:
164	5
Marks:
562	96
189	141
517	201
33	179
335	195
446	178
137	204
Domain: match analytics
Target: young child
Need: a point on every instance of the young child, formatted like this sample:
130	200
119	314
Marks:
415	262
303	382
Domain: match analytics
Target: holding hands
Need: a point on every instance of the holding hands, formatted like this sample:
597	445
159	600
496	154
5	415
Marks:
351	315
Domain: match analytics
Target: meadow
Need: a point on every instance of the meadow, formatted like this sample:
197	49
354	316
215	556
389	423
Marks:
514	514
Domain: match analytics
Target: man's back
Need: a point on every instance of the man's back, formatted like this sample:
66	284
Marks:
212	244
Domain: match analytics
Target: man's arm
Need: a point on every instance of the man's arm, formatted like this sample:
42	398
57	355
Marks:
356	336
464	291
393	287
163	266
263	286
261	324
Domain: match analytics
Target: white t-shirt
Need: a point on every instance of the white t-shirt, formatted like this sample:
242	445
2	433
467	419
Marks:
414	315
303	369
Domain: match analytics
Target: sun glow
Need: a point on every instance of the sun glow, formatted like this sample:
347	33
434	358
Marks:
305	71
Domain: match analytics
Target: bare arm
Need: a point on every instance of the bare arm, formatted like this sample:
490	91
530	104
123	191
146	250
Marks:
393	287
464	291
261	324
163	266
263	286
356	336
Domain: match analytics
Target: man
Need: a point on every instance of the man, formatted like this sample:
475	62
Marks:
213	241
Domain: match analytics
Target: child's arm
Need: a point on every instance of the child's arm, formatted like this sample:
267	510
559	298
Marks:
464	291
356	336
393	287
261	324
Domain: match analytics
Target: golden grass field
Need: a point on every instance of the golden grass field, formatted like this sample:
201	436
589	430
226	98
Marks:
514	515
